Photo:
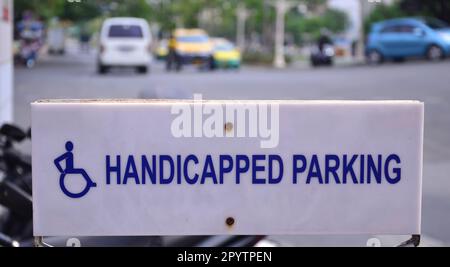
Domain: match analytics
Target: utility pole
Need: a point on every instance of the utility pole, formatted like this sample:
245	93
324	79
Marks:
6	61
361	39
281	6
242	14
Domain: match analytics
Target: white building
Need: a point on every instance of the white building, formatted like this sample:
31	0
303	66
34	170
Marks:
6	61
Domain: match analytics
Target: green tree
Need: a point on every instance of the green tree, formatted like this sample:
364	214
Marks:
309	28
433	8
58	8
408	8
383	12
44	10
170	13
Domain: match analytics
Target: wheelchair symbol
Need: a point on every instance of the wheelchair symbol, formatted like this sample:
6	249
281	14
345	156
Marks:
69	169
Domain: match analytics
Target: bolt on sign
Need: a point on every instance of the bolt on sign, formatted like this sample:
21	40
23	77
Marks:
195	167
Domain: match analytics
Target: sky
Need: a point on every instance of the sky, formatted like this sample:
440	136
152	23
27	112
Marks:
351	7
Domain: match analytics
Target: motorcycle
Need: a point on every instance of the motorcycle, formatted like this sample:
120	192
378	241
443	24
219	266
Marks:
323	56
31	39
15	186
29	52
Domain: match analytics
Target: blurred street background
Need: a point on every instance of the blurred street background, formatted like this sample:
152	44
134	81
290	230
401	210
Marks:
263	49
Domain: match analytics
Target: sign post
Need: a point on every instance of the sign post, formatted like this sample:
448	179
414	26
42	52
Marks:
6	61
172	167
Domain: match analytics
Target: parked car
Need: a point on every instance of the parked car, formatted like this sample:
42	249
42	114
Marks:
398	39
225	54
162	50
56	38
124	42
190	46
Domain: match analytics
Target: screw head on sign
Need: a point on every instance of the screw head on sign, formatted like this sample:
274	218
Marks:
373	242
230	221
73	242
228	127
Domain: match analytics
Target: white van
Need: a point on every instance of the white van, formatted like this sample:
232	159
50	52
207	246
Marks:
56	40
124	42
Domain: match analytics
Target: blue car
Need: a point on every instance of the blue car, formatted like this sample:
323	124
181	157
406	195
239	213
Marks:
398	39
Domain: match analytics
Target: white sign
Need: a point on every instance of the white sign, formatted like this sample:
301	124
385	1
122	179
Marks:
195	167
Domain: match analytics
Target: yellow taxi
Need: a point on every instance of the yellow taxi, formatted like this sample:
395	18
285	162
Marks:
225	54
190	46
162	50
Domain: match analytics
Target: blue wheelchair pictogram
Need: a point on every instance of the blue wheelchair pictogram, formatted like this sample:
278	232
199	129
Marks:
69	169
